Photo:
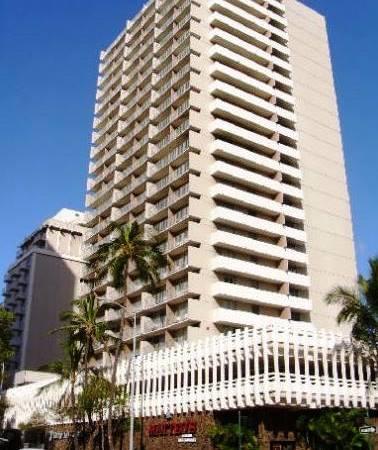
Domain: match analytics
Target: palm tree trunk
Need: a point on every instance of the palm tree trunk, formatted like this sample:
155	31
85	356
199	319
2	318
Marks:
92	437
86	374
74	421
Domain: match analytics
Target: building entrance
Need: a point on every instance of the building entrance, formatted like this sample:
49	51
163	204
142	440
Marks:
282	445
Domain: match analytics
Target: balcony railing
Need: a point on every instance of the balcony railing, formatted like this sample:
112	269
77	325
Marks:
166	202
165	224
164	182
131	205
174	154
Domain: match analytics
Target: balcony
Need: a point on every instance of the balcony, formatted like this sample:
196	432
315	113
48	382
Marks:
247	222
120	195
171	50
170	138
167	224
258	10
107	140
161	90
251	295
250	83
124	210
167	202
250	120
174	243
94	199
103	114
249	99
222	21
249	245
246	177
248	158
241	319
110	81
107	172
172	156
239	197
100	227
250	20
137	164
108	97
244	268
123	143
154	188
239	135
152	302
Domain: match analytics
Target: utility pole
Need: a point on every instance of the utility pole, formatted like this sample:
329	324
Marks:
132	412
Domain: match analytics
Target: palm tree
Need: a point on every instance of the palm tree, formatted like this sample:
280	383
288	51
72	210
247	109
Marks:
68	369
84	328
359	306
128	247
84	332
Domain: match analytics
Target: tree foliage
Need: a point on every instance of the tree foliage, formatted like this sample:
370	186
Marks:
6	320
359	306
3	407
128	247
93	400
226	437
82	333
333	430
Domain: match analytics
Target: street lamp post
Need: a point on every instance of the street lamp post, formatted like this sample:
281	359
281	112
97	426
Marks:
132	412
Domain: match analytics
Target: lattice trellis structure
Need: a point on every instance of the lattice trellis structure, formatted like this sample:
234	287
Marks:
274	365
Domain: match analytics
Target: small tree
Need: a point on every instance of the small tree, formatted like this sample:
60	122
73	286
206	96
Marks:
6	350
227	437
93	401
333	430
3	407
82	332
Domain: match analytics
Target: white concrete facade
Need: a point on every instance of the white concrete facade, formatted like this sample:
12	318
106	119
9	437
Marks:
272	365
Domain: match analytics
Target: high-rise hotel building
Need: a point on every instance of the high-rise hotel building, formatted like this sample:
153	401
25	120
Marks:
216	128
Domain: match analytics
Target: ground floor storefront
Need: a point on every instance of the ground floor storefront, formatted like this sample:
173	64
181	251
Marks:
275	429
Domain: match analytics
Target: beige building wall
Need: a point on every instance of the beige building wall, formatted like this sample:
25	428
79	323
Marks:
329	230
214	120
55	285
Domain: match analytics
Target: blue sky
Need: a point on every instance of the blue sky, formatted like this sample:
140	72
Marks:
48	69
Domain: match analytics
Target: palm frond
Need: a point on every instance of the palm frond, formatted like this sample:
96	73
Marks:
359	306
349	301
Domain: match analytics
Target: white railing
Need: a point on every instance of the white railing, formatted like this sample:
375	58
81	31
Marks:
275	365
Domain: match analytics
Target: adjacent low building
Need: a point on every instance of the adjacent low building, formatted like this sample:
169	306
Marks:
40	284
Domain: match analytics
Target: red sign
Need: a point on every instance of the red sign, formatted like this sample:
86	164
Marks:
172	428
